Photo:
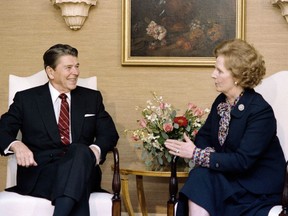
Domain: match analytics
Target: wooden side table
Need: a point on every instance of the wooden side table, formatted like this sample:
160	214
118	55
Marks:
139	170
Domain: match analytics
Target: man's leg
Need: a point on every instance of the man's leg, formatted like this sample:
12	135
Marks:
81	208
63	206
71	187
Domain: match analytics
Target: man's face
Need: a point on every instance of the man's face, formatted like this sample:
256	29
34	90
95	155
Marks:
64	77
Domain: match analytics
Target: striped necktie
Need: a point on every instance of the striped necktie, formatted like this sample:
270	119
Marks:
63	123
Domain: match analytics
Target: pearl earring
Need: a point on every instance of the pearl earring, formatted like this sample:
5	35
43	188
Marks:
236	83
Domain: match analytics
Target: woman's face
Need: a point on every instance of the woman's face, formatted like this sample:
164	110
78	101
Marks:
223	79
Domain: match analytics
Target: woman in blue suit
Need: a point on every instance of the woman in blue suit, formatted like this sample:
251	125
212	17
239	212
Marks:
240	165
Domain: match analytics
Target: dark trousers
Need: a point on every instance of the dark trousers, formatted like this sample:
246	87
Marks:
68	174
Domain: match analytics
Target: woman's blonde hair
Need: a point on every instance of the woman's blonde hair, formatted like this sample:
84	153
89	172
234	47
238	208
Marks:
243	60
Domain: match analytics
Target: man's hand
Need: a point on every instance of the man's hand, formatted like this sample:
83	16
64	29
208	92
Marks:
24	155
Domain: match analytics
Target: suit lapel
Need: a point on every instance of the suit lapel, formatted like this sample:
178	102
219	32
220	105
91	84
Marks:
77	113
243	103
47	113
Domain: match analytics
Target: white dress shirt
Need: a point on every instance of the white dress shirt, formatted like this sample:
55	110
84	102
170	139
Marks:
56	105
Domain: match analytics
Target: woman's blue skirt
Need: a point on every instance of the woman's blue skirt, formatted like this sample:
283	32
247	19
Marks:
222	195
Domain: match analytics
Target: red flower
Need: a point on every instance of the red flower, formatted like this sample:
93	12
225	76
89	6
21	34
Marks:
181	121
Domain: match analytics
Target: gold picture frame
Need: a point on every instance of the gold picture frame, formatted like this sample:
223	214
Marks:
178	32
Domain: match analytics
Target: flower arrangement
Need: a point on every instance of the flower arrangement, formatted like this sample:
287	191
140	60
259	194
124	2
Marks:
159	122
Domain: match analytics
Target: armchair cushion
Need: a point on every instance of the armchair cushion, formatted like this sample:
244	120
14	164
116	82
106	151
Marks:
275	210
12	205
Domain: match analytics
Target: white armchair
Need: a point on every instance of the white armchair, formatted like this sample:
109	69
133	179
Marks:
13	204
275	91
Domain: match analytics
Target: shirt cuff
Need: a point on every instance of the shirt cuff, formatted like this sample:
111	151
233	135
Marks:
7	150
99	150
201	157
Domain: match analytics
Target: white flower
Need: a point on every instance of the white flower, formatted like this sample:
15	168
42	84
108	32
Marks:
158	32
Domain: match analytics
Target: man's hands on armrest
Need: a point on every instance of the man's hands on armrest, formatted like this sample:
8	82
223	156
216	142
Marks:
24	155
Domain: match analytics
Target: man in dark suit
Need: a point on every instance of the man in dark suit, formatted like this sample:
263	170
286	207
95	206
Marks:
60	167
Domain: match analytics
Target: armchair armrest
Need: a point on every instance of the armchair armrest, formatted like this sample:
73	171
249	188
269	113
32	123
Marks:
173	188
116	184
284	211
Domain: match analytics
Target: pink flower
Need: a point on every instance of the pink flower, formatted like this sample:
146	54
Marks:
167	127
191	106
135	138
198	112
194	133
162	106
181	121
143	123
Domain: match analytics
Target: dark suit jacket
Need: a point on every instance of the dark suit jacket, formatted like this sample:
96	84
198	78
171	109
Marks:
251	152
32	113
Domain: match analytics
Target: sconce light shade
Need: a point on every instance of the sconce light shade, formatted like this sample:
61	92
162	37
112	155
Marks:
74	12
283	4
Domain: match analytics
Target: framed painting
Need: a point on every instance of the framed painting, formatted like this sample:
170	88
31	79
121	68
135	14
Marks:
178	32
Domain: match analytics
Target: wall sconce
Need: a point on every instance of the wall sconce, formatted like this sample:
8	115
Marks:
74	11
283	4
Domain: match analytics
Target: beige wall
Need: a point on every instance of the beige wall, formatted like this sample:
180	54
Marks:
28	28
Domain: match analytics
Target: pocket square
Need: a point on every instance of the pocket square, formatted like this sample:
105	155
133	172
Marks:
89	115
